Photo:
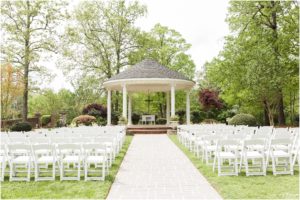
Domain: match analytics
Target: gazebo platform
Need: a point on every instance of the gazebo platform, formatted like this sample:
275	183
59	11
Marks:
148	129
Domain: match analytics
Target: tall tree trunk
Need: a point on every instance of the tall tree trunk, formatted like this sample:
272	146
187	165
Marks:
26	65
269	111
266	115
280	108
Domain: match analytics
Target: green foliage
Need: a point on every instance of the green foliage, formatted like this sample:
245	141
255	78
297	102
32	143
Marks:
181	115
135	118
161	121
243	119
210	121
86	120
46	119
167	46
21	126
30	30
196	117
258	67
122	121
174	118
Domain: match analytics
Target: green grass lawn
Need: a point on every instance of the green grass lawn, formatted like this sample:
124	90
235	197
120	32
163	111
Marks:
64	189
243	187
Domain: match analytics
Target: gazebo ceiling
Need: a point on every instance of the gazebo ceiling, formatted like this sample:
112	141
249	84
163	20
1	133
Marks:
148	75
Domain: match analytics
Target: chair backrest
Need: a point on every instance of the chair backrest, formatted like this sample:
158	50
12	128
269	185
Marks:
18	140
39	140
252	142
69	147
17	149
48	148
94	148
281	141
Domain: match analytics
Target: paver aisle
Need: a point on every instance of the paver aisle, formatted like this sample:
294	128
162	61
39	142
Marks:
155	168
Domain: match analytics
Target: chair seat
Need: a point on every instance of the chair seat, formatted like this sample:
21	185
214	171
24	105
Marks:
42	151
226	155
71	159
211	148
280	153
254	154
95	159
46	159
21	159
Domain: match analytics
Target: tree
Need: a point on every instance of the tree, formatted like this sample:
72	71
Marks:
29	30
101	38
259	60
11	90
169	48
210	99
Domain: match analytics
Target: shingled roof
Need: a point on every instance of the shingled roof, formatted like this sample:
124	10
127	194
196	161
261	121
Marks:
148	69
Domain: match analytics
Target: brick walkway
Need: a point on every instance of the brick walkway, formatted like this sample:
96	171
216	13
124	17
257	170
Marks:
155	168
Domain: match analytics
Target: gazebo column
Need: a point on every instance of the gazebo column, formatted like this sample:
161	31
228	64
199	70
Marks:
108	107
129	110
168	107
172	100
188	116
124	114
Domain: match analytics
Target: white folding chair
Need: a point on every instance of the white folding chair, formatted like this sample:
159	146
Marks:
279	157
250	151
3	160
95	154
221	155
69	154
44	155
20	157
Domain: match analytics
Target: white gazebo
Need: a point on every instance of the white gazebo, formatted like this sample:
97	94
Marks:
148	76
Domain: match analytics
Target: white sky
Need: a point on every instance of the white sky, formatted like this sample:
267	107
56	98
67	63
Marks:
201	23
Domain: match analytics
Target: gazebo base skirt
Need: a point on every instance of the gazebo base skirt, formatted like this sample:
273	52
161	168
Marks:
148	129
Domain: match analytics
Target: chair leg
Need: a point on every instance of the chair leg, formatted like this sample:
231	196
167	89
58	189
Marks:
291	165
28	171
103	170
78	171
10	171
85	171
61	171
273	166
246	166
214	163
219	166
36	175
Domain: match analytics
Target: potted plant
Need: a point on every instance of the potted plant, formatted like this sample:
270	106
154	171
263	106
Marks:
174	120
122	121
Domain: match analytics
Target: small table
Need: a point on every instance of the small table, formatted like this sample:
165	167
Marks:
148	119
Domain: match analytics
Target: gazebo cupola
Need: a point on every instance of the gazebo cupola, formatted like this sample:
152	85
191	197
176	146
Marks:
148	76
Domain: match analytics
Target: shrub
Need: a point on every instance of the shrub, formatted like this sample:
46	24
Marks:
196	117
122	120
96	110
174	118
243	119
21	126
181	115
45	119
86	120
209	121
135	118
161	121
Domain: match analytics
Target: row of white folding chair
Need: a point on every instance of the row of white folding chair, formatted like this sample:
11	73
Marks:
42	155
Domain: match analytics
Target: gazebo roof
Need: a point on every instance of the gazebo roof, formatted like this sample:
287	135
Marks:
148	69
148	75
